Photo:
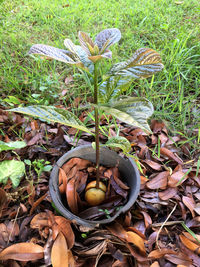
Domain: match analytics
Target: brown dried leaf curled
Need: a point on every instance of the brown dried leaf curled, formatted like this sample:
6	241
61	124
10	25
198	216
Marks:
22	252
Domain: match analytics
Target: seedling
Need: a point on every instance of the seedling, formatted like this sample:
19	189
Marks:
107	87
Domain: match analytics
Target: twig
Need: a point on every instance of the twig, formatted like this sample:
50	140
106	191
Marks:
164	225
13	225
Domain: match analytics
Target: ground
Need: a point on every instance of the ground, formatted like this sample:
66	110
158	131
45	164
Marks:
162	228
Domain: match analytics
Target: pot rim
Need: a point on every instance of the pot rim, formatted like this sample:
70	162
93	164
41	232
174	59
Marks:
55	194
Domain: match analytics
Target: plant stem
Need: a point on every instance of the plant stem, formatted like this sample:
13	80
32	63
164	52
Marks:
96	123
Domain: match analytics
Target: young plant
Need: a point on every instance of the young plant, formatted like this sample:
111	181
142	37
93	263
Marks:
107	88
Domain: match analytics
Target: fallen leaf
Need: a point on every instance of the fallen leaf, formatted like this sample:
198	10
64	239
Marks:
176	177
118	230
168	193
189	236
59	252
136	240
22	252
159	253
155	264
189	244
62	181
71	194
37	202
143	179
189	203
66	229
159	181
147	219
154	165
3	199
68	79
197	208
179	258
39	221
166	152
80	163
13	230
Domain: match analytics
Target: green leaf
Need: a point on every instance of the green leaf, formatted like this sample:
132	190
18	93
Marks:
144	63
107	37
120	142
131	110
12	169
52	52
12	100
47	168
11	145
52	114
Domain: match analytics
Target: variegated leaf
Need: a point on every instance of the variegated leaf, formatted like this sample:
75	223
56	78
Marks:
131	110
144	63
51	114
107	38
107	54
71	46
86	42
80	54
120	142
113	88
83	56
52	52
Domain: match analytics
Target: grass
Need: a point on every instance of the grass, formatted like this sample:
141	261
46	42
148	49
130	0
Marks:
170	27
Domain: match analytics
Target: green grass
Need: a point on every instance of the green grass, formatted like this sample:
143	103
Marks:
164	25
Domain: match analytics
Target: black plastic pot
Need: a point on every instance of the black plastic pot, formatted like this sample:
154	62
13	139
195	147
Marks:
128	171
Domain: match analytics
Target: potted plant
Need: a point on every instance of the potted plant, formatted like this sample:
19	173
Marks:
107	92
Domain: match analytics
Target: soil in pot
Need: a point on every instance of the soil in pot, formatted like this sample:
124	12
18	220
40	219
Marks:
77	180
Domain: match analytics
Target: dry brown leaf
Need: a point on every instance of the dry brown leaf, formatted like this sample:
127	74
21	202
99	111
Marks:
179	258
13	230
154	165
59	252
189	203
118	230
36	203
3	198
189	244
39	221
166	152
71	194
22	252
147	219
155	264
189	236
62	181
159	181
168	193
133	229
159	253
80	163
71	260
176	177
197	208
66	229
136	240
143	179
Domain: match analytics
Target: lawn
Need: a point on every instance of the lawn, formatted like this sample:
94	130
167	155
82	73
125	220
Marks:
162	228
170	27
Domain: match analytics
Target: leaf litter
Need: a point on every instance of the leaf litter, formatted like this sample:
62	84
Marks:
150	234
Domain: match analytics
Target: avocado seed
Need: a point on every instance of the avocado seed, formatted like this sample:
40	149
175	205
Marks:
94	196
